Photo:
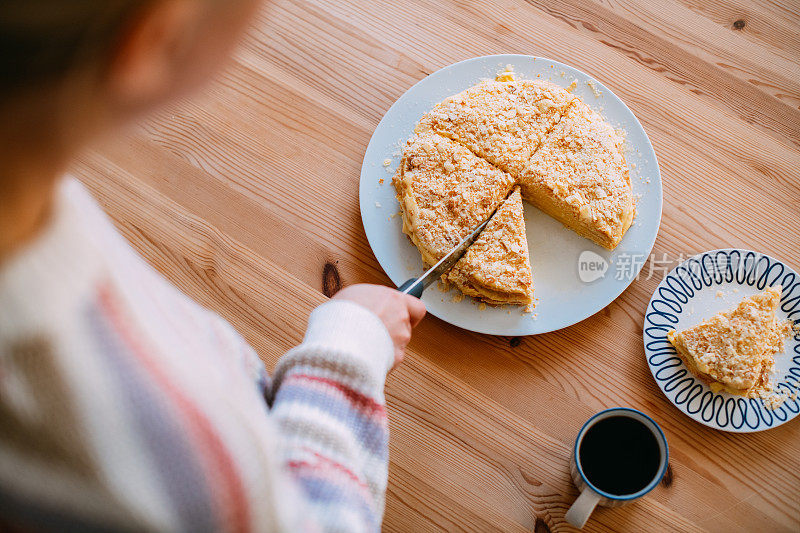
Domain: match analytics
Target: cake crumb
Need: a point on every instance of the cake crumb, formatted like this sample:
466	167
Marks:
720	294
572	86
482	306
387	162
772	400
594	89
380	181
506	75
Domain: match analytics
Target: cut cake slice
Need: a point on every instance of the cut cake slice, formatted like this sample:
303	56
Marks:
444	192
734	350
497	267
501	121
579	176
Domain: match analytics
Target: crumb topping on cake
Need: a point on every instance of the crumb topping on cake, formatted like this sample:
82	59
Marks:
445	191
581	169
501	121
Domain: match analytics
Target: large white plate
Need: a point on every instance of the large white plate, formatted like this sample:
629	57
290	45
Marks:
699	288
563	298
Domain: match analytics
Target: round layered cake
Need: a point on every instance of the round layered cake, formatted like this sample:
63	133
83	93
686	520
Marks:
486	150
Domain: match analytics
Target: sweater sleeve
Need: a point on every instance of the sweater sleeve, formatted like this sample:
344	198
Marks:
329	406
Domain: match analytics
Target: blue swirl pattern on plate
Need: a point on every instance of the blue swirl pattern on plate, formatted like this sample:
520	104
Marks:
717	267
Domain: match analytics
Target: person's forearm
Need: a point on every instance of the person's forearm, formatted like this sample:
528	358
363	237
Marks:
329	407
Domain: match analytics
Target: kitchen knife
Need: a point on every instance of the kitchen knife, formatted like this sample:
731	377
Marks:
414	287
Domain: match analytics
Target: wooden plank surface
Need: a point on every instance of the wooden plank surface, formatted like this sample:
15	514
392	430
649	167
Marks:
246	194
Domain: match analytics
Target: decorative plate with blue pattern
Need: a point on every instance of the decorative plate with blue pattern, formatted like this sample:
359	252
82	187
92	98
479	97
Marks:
698	288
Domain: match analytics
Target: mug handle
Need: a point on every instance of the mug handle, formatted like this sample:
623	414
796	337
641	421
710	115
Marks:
578	514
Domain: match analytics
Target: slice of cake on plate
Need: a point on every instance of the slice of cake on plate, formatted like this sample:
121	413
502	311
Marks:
497	267
579	176
444	192
734	350
501	121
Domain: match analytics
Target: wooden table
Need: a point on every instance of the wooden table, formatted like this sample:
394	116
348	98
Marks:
247	199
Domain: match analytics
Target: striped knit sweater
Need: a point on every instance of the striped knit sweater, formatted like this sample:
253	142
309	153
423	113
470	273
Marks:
126	406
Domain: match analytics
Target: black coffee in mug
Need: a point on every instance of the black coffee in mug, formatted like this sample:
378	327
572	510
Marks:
619	455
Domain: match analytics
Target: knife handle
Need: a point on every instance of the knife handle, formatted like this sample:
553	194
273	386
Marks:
415	291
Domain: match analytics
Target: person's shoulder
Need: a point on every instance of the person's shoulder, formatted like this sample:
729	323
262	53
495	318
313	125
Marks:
86	212
46	282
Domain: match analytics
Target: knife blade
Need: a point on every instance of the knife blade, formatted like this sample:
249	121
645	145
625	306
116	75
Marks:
415	286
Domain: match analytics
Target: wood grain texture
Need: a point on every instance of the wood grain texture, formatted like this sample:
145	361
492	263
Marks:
246	197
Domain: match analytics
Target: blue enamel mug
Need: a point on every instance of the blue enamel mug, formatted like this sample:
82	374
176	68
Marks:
620	455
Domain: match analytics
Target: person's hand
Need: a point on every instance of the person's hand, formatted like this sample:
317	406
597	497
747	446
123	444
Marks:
399	312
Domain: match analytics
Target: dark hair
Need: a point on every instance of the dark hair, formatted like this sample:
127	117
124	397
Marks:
42	40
